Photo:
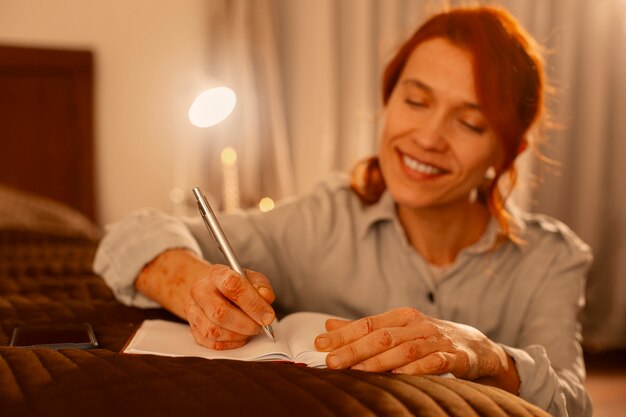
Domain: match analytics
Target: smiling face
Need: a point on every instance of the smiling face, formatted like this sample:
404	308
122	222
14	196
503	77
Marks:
436	144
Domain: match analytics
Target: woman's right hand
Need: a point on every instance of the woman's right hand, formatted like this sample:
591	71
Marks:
223	309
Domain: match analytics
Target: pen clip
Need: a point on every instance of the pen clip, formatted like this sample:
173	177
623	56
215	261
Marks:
203	207
217	243
212	224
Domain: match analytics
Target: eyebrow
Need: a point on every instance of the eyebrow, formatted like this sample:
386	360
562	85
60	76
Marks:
417	83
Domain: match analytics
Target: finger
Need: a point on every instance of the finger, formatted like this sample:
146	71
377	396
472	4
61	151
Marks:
215	344
359	328
368	347
208	331
262	285
402	353
334	324
205	329
322	343
221	313
437	363
240	292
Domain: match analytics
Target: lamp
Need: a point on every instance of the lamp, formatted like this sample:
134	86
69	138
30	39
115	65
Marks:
208	109
212	106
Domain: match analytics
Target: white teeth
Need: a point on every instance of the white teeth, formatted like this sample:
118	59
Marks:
420	167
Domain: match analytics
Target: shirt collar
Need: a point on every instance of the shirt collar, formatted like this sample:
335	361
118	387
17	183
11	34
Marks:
385	210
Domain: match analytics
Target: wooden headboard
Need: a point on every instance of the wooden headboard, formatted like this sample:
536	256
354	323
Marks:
46	124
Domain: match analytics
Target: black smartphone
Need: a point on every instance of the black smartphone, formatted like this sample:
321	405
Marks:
55	336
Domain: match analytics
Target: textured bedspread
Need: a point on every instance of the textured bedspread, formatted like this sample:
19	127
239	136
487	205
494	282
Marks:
104	383
47	278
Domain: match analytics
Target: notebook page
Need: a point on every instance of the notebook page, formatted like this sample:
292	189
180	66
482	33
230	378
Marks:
168	338
300	330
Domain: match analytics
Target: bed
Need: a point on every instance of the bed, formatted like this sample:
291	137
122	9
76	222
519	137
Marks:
47	242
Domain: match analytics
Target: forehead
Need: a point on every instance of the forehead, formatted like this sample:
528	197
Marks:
444	67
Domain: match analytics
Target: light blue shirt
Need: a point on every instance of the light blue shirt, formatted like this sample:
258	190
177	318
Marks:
327	252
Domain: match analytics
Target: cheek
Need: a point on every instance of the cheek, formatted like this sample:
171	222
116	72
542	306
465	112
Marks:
386	151
386	135
391	133
397	120
476	159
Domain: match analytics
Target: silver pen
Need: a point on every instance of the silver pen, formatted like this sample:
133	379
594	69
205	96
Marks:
222	242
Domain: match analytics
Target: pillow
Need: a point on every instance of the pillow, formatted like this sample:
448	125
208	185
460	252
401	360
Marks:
21	211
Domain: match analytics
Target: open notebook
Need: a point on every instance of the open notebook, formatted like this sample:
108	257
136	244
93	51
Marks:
295	335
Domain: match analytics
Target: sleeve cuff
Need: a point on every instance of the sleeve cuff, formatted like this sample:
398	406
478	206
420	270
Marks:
539	384
133	243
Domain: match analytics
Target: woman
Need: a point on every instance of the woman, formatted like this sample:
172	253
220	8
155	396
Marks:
440	275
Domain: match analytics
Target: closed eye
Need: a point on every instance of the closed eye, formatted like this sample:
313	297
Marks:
473	128
414	103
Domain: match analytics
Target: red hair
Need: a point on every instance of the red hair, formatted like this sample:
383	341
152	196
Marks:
509	82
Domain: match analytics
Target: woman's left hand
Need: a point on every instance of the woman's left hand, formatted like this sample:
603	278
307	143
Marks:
406	341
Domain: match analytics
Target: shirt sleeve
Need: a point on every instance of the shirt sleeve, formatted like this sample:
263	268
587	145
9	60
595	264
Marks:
274	243
549	357
131	244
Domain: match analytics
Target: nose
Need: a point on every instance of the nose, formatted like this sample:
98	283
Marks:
430	134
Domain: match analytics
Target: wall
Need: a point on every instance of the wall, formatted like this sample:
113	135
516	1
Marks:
149	57
309	73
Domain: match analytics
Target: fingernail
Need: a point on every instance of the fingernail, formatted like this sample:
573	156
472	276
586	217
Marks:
358	367
265	292
267	318
322	342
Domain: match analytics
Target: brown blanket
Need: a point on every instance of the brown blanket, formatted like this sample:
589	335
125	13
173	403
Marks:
46	277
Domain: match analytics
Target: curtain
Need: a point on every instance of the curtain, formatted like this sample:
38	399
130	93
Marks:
243	56
584	189
588	64
333	55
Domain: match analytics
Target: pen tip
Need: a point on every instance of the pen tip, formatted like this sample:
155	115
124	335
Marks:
269	332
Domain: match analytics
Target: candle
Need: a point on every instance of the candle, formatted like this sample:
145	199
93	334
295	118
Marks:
266	204
230	180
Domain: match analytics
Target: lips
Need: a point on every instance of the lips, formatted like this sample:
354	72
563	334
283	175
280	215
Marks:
421	167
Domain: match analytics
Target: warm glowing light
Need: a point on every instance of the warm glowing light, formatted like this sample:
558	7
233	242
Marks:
177	195
228	156
212	106
266	204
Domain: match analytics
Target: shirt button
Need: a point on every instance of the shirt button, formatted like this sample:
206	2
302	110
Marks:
431	296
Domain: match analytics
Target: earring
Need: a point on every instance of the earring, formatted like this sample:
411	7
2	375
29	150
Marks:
490	174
